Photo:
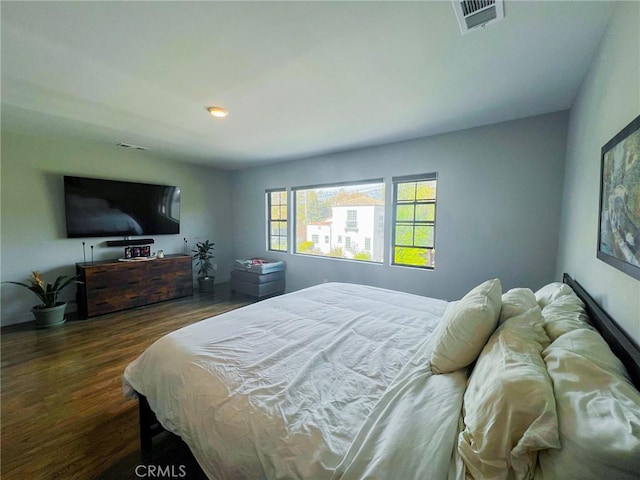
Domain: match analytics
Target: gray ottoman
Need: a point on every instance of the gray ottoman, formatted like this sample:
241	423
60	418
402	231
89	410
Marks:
256	284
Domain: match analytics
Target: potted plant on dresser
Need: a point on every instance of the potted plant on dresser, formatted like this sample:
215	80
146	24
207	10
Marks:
51	312
202	255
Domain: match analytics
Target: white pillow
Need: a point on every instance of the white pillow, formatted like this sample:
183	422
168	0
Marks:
516	301
509	407
598	411
563	315
465	328
550	292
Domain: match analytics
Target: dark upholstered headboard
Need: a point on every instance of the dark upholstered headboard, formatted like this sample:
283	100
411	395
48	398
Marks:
625	348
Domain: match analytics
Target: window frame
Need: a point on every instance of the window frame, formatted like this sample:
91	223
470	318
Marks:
396	181
270	220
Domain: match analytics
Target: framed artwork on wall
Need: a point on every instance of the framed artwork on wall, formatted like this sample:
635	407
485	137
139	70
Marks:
619	220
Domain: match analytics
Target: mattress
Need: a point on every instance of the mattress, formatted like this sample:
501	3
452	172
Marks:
330	382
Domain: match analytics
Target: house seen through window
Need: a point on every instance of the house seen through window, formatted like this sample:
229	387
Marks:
346	216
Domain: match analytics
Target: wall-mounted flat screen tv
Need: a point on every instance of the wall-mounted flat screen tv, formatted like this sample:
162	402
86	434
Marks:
104	208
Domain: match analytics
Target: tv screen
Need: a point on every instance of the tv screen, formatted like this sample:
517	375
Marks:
103	208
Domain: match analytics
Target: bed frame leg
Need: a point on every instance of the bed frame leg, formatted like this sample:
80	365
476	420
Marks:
149	426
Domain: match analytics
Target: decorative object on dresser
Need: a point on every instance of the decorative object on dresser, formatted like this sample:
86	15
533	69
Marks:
619	227
51	312
202	256
143	252
258	277
112	285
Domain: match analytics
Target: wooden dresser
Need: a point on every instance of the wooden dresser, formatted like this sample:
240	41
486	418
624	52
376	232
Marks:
110	286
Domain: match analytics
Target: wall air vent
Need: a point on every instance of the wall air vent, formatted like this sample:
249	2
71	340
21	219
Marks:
128	145
472	14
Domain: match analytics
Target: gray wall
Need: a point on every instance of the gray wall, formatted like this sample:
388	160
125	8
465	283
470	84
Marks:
33	222
499	188
608	100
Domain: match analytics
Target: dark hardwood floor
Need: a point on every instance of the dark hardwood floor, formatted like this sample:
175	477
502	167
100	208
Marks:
63	412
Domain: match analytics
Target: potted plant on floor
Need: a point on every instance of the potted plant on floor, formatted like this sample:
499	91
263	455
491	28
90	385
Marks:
51	312
202	256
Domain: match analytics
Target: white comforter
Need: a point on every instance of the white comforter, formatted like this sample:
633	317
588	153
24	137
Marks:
328	382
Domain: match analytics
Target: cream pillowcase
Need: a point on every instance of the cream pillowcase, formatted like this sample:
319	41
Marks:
509	408
465	328
515	302
598	411
563	315
552	291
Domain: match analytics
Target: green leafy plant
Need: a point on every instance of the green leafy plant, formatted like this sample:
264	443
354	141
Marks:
202	256
362	256
47	293
305	247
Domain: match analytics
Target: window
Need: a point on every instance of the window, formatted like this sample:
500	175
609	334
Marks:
277	220
414	221
367	244
352	221
315	238
340	211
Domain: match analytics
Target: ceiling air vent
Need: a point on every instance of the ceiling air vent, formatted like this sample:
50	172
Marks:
477	13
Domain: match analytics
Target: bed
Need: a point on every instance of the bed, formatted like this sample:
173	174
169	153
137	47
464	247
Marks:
343	381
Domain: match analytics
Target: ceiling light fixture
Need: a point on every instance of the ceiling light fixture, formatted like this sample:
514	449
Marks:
218	112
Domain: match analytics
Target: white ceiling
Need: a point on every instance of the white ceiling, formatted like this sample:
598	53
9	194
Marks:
299	78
